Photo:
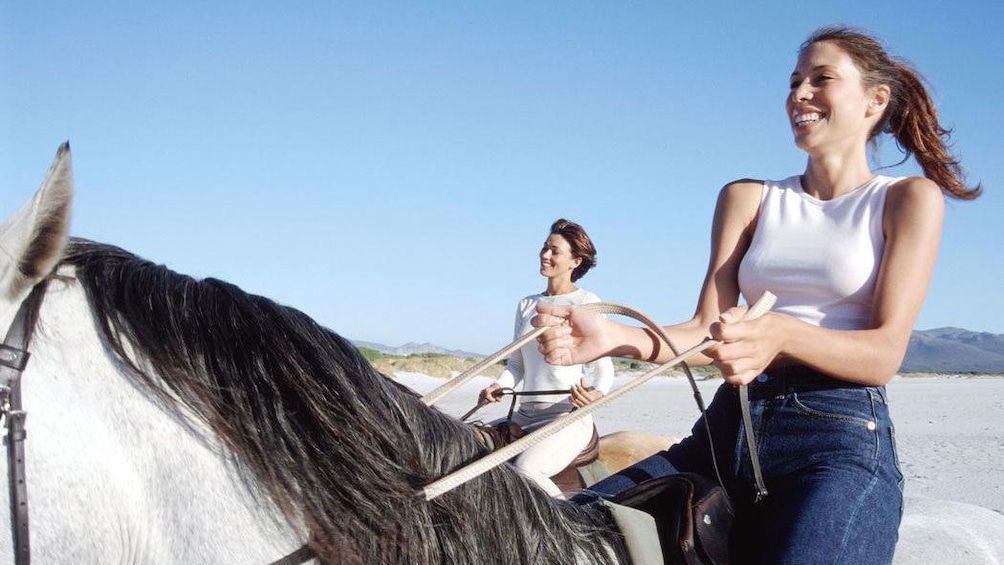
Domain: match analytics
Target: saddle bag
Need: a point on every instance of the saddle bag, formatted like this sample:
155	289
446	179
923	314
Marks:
693	517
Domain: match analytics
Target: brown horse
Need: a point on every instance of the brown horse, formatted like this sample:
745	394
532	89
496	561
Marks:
620	450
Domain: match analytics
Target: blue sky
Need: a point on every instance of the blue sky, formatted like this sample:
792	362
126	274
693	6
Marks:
391	168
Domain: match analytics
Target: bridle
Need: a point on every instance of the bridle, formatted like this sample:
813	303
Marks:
13	359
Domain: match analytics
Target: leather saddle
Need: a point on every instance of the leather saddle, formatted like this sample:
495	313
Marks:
570	479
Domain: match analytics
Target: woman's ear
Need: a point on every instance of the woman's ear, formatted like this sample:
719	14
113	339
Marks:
879	99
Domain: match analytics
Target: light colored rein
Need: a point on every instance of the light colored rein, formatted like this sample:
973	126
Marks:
481	466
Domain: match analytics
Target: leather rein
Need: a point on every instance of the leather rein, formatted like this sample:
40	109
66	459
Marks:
514	393
13	359
497	457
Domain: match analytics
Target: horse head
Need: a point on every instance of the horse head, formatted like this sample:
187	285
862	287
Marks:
180	420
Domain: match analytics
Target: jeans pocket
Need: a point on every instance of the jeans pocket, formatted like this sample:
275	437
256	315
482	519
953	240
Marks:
851	405
843	420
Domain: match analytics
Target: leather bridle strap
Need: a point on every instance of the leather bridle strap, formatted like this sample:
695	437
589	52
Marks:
13	359
299	556
744	405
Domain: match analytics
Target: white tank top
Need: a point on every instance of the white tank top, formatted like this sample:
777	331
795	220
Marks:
820	257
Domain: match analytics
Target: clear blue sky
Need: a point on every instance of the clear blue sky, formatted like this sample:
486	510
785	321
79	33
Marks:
391	168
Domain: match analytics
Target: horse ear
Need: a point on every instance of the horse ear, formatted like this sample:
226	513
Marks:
33	239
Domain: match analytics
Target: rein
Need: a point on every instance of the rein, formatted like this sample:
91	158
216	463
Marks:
13	359
483	465
514	393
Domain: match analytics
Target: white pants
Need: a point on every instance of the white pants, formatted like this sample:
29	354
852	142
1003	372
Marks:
550	456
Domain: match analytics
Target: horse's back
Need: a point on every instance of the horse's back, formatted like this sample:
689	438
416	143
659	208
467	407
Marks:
619	450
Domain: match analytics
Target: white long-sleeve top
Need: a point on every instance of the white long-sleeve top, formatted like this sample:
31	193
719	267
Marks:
526	367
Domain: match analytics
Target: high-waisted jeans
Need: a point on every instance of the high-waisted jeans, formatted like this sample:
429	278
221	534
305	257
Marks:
828	454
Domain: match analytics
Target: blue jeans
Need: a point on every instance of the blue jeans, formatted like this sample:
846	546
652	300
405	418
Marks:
828	454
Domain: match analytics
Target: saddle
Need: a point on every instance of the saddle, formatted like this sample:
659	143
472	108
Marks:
570	479
582	471
682	519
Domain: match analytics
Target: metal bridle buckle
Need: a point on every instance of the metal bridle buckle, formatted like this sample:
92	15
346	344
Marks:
12	357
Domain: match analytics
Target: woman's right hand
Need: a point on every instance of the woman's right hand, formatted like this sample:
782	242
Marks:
491	393
575	335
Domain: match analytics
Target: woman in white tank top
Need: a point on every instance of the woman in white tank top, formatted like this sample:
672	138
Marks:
849	255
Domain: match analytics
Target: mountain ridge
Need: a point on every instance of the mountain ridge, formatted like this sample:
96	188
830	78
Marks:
951	349
938	350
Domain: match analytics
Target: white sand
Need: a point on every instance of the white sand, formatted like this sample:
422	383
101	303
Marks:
949	430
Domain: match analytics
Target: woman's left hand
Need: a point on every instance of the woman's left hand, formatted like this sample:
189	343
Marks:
748	346
583	395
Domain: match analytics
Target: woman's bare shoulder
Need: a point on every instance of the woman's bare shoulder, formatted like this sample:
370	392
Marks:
913	202
920	186
744	185
911	192
742	194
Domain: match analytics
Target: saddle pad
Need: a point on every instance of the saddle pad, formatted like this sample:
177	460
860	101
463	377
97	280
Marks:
640	534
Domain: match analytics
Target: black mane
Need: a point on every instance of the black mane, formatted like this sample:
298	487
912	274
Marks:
340	449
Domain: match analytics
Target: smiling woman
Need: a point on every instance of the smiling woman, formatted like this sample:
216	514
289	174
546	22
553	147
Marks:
841	76
849	255
566	256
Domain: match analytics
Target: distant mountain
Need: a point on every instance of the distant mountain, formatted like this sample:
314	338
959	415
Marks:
954	350
412	348
942	350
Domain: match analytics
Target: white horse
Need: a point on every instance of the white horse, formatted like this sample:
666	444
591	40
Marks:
172	420
112	476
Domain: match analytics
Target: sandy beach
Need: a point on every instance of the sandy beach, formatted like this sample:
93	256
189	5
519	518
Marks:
949	429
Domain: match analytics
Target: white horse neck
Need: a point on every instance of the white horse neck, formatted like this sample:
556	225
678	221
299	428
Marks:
114	478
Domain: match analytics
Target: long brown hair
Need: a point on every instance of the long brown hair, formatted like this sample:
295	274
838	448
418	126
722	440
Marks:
911	116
